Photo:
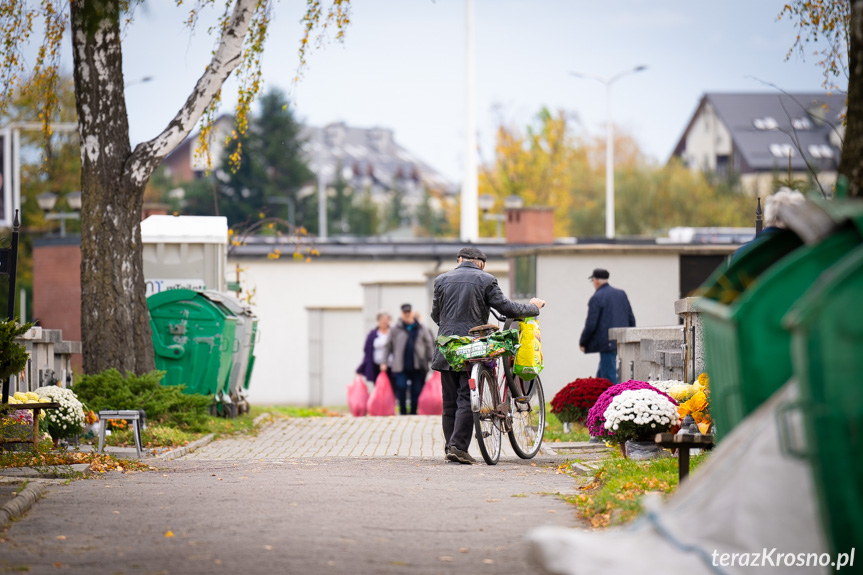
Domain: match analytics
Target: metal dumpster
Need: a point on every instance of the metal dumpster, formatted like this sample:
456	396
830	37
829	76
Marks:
194	341
243	358
827	344
747	350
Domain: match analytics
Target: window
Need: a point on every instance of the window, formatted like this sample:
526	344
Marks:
766	123
782	150
525	277
801	124
819	151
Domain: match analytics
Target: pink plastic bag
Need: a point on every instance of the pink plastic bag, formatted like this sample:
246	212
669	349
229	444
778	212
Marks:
382	401
431	397
358	396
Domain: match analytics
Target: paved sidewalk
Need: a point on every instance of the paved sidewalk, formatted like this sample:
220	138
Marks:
397	436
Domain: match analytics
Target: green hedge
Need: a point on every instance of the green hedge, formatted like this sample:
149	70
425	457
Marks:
167	405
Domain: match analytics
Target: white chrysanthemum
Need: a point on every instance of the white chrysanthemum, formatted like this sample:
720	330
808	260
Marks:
642	407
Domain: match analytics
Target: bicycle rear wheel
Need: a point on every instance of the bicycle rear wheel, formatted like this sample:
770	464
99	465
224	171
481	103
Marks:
528	417
485	421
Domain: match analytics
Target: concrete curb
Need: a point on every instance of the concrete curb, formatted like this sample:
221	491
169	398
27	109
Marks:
180	451
260	418
22	503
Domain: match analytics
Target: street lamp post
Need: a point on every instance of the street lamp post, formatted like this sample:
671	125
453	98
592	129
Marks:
46	202
609	144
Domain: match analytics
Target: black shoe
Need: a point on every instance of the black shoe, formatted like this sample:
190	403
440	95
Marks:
456	454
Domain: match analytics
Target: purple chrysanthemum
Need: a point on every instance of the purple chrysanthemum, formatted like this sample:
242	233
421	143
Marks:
596	415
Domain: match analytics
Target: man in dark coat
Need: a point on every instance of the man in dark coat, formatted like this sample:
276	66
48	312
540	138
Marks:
608	307
462	298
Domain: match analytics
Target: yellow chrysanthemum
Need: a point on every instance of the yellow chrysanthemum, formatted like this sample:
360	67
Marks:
698	401
704	380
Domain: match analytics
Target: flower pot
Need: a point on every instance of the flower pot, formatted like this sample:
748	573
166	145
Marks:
644	450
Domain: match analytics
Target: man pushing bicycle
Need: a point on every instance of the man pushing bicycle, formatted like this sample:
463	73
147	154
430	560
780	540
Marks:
462	298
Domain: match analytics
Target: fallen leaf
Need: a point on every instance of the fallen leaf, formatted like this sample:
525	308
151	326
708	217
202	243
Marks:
117	512
58	564
268	547
169	533
463	550
488	561
551	511
61	537
218	562
492	500
445	558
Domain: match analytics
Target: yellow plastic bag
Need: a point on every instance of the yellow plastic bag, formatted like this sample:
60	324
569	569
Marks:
528	358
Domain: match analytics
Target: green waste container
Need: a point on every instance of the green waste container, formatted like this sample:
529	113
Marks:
827	342
243	358
194	341
747	350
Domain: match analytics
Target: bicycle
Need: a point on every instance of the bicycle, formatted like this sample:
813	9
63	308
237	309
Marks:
503	402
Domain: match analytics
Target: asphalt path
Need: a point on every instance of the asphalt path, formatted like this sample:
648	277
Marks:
335	515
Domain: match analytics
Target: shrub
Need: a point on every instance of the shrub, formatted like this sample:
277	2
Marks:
13	356
574	401
163	404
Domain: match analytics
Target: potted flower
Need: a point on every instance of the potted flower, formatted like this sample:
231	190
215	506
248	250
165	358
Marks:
68	419
573	402
635	416
596	416
697	404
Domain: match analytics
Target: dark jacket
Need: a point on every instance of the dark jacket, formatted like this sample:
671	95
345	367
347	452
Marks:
608	307
368	368
461	301
423	347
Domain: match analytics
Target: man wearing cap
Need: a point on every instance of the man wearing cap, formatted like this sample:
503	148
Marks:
411	347
462	298
608	307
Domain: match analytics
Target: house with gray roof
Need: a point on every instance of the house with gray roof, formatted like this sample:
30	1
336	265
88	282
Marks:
761	136
360	158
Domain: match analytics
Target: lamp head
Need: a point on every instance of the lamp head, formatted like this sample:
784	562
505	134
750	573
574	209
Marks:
46	201
485	202
74	201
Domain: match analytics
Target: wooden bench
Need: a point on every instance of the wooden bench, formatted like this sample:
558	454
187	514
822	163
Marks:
683	443
36	408
133	415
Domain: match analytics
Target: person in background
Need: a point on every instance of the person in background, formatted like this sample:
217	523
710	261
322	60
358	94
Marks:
411	347
608	307
462	298
375	350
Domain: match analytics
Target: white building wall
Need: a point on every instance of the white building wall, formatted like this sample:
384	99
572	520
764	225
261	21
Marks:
333	337
651	281
707	138
284	289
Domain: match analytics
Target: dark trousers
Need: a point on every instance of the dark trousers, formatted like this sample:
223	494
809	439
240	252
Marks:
608	366
457	417
416	379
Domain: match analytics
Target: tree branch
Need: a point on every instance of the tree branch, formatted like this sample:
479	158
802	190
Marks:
226	58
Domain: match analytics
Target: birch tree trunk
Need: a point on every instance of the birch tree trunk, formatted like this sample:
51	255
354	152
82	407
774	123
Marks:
115	324
851	162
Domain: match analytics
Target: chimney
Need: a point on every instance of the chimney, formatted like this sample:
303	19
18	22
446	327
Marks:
530	225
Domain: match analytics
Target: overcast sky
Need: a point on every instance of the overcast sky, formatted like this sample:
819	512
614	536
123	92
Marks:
402	66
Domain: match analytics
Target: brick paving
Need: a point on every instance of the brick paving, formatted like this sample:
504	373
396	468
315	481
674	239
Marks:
397	436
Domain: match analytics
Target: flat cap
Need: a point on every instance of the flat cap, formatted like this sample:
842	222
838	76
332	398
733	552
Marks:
471	254
599	274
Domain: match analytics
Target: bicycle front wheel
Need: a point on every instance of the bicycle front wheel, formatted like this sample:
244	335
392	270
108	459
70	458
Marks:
528	418
488	434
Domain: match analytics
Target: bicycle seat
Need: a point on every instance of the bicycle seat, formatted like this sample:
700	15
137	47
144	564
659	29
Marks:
482	330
